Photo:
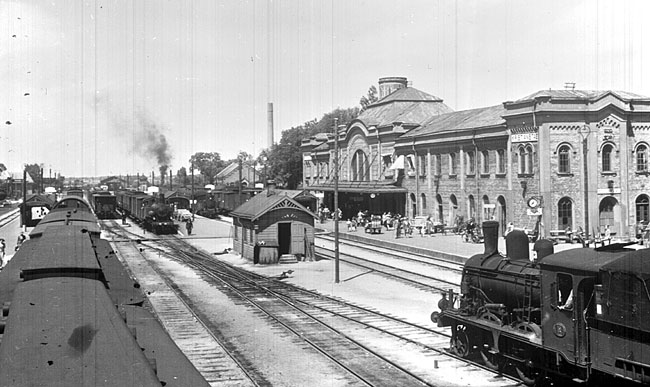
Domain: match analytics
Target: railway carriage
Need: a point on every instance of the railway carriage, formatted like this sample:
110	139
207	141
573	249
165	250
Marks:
104	203
70	310
580	314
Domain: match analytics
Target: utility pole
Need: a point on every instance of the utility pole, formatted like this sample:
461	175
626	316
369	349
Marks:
336	201
192	201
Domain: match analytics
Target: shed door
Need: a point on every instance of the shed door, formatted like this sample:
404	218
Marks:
298	238
284	238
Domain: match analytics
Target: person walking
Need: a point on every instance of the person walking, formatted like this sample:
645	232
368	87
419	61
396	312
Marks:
3	246
21	239
188	226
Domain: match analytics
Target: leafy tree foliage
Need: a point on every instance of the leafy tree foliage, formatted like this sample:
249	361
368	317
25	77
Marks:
369	99
208	163
284	159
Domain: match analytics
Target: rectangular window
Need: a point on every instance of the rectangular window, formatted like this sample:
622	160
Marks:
471	162
423	165
501	161
485	162
437	165
452	164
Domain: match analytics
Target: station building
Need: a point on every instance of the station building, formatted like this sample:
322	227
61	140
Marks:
274	223
569	159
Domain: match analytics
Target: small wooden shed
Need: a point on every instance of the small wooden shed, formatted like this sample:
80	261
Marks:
272	224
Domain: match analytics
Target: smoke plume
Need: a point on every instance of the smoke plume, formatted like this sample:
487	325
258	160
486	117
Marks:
147	137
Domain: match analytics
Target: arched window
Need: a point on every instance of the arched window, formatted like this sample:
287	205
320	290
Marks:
529	159
359	166
471	204
414	209
642	206
564	161
423	200
487	211
471	162
501	161
564	213
642	158
521	160
606	157
485	162
440	209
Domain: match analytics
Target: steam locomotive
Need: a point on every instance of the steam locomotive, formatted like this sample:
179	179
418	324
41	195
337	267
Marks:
71	311
580	314
152	212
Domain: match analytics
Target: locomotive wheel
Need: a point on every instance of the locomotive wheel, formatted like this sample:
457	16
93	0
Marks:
493	360
525	327
459	343
531	376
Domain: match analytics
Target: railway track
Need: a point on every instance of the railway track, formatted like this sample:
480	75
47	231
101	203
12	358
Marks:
353	336
423	273
215	362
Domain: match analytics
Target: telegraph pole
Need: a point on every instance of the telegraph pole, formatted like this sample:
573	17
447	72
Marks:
336	200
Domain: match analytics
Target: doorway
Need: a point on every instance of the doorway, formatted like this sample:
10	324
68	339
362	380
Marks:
284	238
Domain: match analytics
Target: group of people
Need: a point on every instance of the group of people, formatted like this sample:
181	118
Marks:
3	247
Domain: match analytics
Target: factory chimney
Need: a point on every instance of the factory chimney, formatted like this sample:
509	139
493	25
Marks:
270	123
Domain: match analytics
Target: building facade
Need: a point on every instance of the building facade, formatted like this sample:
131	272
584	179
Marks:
568	159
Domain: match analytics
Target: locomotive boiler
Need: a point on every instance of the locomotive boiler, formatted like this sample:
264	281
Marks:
579	314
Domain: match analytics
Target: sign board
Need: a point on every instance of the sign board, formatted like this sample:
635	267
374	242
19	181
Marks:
489	205
534	211
524	137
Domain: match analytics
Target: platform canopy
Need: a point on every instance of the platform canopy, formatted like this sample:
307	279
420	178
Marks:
360	186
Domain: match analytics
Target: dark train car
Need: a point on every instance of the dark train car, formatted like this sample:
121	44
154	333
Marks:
228	198
580	314
150	211
34	209
75	191
69	312
104	203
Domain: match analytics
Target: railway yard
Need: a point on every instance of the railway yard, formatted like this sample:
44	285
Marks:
290	324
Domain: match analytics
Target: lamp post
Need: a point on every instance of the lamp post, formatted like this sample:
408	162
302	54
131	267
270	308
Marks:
584	133
336	200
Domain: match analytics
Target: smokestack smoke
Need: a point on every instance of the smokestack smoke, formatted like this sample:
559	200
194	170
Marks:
149	140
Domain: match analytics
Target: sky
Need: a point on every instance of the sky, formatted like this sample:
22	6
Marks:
109	87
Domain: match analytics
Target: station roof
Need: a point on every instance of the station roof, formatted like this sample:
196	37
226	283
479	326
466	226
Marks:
490	116
406	105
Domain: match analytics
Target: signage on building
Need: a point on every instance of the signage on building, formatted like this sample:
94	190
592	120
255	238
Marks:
534	211
524	137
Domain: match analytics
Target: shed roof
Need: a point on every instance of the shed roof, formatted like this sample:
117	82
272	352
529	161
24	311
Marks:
264	202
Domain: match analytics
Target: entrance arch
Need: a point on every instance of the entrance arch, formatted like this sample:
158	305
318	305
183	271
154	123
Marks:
609	213
453	208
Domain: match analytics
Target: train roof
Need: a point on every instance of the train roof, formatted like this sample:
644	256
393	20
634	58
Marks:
83	219
636	263
582	259
71	203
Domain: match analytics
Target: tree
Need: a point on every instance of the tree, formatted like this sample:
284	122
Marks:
284	160
369	99
208	163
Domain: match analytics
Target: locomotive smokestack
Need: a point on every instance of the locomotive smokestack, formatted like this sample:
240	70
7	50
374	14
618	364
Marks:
490	237
270	123
517	245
